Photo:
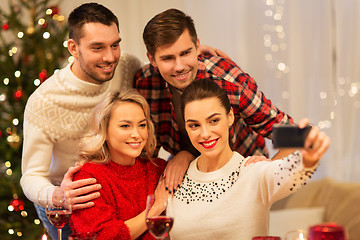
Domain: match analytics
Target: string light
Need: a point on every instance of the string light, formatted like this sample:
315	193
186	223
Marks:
46	35
41	21
16	121
37	82
20	35
17	74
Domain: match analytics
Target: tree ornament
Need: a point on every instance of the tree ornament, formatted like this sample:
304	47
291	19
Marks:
43	75
16	204
18	94
5	26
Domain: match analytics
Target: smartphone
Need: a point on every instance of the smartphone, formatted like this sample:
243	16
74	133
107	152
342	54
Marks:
289	136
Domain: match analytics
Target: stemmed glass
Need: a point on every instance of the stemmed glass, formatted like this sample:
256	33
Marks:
159	225
58	213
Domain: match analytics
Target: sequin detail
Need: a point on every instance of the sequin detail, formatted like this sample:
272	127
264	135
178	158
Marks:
290	165
191	191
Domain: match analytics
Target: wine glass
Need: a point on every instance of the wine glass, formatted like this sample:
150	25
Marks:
159	225
58	211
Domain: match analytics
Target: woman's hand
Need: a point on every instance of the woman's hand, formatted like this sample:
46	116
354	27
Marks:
176	169
316	144
161	196
255	159
205	49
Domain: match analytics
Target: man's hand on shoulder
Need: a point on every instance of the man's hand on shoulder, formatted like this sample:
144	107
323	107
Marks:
81	192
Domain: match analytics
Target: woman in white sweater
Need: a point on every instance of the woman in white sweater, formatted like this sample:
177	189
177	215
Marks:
219	197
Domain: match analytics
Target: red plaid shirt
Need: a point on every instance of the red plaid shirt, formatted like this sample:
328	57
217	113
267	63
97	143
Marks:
254	113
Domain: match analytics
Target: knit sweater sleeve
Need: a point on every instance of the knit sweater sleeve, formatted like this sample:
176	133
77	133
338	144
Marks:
280	178
101	218
36	159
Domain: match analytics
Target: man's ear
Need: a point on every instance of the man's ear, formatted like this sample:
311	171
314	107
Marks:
198	46
73	48
151	59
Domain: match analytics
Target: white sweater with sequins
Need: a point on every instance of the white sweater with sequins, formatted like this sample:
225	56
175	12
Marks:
234	201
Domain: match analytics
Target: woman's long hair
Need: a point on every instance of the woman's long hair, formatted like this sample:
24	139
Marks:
93	146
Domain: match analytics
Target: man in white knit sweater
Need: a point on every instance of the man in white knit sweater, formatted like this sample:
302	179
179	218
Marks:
57	112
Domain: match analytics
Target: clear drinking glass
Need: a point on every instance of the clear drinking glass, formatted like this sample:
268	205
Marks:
159	225
59	213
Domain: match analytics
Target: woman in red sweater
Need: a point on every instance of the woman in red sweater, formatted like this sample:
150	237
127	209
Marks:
116	151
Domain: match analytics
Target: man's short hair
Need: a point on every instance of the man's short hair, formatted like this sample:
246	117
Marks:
166	28
89	13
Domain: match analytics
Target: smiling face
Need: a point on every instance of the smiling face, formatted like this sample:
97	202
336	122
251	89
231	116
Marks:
96	53
207	125
127	132
177	62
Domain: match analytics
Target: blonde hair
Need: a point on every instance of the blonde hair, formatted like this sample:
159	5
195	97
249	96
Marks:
93	146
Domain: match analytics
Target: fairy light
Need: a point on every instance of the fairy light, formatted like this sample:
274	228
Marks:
37	82
7	164
48	11
20	35
61	18
9	172
2	97
46	35
24	214
37	221
17	74
41	21
16	121
6	81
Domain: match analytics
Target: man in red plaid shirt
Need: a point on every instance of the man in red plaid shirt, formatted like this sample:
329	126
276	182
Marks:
173	50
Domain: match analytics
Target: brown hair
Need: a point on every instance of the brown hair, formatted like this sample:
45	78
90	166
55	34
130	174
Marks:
202	89
166	27
89	13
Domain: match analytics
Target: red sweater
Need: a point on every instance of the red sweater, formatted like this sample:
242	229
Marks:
123	196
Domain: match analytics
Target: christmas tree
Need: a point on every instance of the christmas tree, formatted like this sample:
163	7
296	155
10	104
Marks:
32	39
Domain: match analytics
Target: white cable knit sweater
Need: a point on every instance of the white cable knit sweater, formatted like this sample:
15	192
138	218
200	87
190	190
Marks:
55	117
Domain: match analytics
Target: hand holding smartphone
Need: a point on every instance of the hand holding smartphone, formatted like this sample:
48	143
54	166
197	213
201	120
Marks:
289	136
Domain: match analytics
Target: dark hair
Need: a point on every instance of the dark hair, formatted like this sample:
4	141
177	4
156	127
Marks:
166	27
89	13
202	89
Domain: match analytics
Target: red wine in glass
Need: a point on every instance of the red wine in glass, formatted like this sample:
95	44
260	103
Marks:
59	218
58	214
159	226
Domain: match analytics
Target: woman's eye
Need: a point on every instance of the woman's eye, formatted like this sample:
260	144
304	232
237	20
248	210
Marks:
143	125
192	126
125	126
214	121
